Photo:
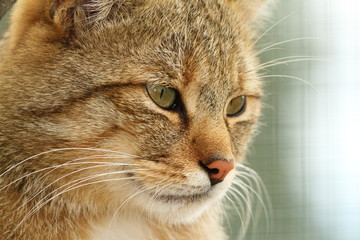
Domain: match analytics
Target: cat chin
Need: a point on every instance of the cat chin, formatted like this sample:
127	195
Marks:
173	207
175	210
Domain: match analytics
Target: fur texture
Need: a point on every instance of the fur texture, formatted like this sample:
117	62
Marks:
83	148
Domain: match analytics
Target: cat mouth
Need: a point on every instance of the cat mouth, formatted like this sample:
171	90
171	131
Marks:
182	198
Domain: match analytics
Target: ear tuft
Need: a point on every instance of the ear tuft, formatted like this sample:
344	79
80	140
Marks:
97	10
60	18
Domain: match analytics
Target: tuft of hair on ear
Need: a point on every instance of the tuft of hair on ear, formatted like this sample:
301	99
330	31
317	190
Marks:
98	10
57	19
73	13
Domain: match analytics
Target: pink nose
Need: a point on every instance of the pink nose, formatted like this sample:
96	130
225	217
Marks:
218	170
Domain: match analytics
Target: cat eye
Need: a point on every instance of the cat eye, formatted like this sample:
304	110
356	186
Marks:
165	97
236	106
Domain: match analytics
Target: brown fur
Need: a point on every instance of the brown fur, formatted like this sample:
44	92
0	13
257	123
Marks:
72	74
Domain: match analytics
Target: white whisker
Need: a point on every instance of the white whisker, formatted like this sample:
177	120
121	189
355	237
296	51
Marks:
221	204
270	28
158	192
74	182
124	203
249	215
270	47
64	149
255	217
70	163
275	63
238	212
37	208
291	77
71	188
262	192
291	59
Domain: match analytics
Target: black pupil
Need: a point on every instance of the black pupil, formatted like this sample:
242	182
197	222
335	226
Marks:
162	93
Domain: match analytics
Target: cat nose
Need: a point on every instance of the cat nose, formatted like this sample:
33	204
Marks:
218	169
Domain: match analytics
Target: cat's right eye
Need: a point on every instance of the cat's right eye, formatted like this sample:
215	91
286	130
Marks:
165	97
236	106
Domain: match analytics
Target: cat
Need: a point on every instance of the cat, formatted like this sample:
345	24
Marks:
125	119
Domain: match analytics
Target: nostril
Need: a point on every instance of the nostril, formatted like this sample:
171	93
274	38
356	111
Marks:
210	171
218	170
213	170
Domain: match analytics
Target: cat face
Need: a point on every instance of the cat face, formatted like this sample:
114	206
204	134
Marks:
83	96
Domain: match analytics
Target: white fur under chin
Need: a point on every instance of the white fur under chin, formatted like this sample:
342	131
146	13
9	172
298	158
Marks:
180	212
120	229
184	212
136	226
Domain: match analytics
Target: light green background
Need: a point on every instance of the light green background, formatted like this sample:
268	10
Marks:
308	150
3	24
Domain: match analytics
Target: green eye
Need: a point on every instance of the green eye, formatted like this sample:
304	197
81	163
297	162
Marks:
236	106
162	96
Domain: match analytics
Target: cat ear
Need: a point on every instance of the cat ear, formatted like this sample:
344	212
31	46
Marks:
252	11
81	11
57	19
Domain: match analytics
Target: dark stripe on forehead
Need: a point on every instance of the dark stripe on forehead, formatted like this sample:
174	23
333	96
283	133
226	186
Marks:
70	100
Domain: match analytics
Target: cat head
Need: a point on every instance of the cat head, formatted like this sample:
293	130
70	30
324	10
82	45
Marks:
146	103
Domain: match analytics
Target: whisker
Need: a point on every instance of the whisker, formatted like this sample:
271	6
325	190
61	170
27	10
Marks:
248	211
73	187
271	27
245	187
237	211
99	157
221	204
69	163
292	77
258	195
124	203
268	50
270	47
263	192
157	192
37	208
77	181
291	58
63	149
289	61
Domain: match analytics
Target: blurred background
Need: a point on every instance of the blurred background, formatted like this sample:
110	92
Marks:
308	149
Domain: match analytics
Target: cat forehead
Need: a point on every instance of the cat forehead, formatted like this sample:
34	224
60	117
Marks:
177	44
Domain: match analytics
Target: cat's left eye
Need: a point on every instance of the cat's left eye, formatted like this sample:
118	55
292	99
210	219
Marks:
236	106
165	97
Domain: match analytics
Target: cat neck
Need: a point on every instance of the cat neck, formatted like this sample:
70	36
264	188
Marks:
102	224
138	227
